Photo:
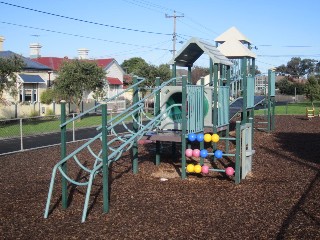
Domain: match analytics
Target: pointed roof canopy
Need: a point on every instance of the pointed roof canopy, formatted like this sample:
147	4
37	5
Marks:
235	49
193	49
232	33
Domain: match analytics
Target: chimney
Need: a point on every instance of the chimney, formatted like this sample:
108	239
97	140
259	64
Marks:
83	53
1	43
35	50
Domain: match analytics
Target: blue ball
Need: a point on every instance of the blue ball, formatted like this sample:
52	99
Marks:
192	137
218	154
203	153
200	137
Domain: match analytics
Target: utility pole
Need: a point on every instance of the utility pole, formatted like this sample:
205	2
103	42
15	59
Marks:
174	30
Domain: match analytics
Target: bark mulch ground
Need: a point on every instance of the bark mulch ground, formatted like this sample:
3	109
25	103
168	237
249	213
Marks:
280	200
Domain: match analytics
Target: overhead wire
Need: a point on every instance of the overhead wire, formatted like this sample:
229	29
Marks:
84	21
82	36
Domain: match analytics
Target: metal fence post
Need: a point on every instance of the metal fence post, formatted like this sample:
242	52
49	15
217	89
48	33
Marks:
73	129
21	135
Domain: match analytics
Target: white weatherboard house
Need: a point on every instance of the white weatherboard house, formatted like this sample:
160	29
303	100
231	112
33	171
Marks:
31	81
114	72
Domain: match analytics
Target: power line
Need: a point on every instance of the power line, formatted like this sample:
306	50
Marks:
174	39
150	4
85	21
82	36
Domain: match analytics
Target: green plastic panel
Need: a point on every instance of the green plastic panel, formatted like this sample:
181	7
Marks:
195	113
223	106
272	84
250	92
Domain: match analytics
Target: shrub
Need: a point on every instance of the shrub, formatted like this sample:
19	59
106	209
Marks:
47	96
34	113
49	112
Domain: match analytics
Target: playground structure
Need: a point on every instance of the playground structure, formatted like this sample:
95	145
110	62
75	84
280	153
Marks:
180	109
310	113
267	124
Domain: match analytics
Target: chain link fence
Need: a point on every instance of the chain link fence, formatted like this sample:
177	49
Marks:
19	134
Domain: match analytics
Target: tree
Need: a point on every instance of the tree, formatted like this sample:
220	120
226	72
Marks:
312	89
198	72
284	85
298	67
134	65
8	68
77	76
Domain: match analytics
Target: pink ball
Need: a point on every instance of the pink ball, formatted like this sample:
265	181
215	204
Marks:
196	153
188	152
205	169
229	171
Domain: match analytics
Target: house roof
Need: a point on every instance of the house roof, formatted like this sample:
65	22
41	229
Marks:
232	33
55	62
29	64
114	81
193	49
235	49
31	78
104	62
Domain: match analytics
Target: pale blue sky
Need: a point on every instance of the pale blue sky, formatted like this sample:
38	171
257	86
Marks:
281	29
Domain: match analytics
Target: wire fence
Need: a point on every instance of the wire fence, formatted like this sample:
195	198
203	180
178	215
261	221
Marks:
19	134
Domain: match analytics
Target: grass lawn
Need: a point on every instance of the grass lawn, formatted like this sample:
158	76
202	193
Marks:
292	109
34	126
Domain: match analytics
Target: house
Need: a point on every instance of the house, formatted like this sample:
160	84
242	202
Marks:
114	72
31	81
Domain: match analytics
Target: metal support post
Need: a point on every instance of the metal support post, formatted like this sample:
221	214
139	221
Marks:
135	129
184	127
63	153
156	113
105	165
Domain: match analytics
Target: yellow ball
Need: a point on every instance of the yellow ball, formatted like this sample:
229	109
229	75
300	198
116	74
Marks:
215	138
207	137
197	168
190	168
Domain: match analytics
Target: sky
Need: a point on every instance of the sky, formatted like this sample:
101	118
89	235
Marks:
122	29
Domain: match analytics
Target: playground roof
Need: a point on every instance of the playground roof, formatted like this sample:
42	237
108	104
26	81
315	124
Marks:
232	33
193	49
234	49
